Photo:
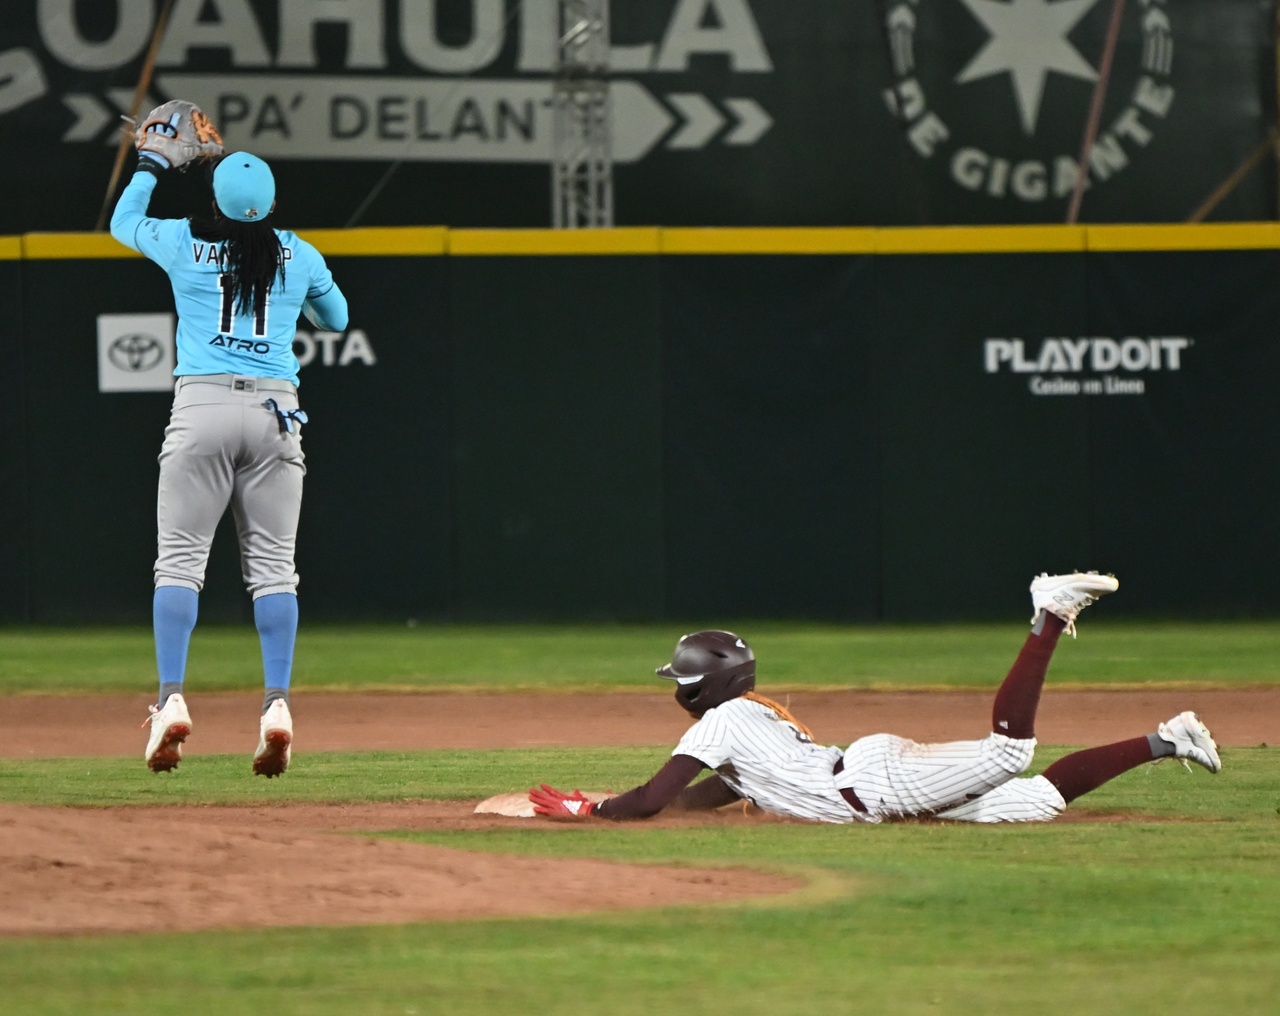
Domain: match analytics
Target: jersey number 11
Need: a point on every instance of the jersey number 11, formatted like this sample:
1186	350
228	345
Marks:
227	284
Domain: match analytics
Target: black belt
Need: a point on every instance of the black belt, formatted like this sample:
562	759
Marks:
847	792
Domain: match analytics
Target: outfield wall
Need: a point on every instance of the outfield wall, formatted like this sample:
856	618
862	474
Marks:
702	424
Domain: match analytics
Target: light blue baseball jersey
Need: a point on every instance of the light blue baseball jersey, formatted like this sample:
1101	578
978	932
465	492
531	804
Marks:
213	337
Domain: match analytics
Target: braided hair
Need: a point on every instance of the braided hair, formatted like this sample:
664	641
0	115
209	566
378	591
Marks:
252	257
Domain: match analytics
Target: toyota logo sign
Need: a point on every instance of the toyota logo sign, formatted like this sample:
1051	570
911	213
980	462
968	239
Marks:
135	352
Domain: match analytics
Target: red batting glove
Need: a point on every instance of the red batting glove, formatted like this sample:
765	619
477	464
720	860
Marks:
558	805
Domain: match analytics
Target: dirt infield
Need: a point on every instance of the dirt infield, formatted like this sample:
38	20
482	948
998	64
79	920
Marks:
75	870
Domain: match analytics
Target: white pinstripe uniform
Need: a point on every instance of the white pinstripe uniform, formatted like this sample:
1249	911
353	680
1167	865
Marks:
768	761
1032	799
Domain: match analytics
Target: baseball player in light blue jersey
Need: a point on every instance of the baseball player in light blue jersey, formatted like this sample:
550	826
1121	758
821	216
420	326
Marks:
758	752
235	431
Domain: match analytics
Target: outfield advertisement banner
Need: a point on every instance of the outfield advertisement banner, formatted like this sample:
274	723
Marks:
723	112
849	436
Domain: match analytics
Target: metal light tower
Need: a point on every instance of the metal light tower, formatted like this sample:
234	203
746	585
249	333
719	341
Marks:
582	163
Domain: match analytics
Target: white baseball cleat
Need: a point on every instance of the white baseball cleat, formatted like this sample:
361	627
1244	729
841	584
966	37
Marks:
1067	595
170	726
275	741
1191	740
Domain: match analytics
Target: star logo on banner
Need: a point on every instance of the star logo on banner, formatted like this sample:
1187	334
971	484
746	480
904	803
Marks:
1028	40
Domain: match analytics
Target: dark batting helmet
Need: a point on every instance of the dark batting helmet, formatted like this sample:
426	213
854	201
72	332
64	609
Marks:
710	668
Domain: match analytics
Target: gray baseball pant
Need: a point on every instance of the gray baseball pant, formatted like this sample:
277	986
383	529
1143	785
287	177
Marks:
225	445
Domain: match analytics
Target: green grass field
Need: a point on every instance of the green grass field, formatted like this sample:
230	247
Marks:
1179	910
622	657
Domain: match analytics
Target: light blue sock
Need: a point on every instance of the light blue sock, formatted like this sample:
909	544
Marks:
276	616
173	617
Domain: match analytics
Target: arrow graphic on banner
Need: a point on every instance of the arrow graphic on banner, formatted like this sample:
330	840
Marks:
445	120
702	120
92	115
753	121
123	98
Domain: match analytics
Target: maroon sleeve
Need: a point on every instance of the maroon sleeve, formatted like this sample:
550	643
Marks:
650	798
706	794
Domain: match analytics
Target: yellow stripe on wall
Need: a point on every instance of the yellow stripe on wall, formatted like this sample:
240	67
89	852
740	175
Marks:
779	240
390	241
53	246
980	240
1206	236
411	241
626	240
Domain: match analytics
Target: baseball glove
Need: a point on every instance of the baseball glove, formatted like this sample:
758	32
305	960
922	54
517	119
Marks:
176	134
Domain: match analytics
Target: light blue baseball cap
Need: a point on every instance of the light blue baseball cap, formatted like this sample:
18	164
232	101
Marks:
244	187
